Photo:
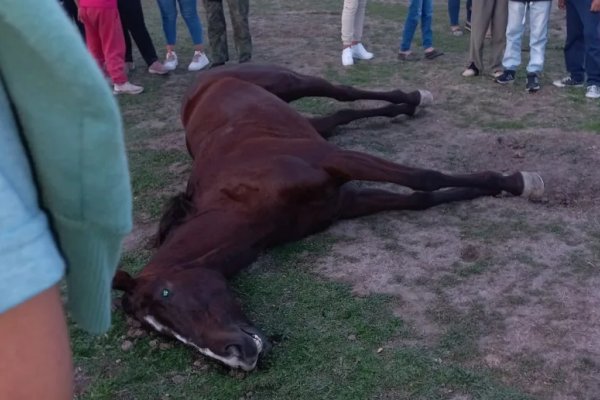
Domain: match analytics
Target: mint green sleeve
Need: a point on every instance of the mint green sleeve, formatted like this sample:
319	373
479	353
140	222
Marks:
72	129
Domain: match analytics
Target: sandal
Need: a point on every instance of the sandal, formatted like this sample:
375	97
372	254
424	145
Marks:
456	31
407	57
435	53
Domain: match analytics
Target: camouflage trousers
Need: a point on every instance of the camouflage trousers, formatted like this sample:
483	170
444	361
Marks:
217	29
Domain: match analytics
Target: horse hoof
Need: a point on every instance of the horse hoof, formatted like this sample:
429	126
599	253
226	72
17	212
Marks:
533	186
426	98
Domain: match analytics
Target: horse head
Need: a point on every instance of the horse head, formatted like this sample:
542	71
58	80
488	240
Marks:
195	306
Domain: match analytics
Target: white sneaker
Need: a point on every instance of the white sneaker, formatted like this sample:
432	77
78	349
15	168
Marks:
593	92
127	88
347	56
359	52
199	61
170	61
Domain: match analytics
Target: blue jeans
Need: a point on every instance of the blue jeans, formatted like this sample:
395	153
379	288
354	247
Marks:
454	11
419	10
539	13
168	12
582	47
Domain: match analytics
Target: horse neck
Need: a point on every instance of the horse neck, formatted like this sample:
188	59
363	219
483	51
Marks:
217	240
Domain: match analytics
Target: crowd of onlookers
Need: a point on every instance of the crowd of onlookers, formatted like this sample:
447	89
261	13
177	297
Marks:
109	25
498	24
501	24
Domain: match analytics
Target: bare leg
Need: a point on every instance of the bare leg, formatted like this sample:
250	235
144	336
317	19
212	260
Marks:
359	202
326	125
352	165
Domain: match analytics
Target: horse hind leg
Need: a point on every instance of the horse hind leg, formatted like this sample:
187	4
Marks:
326	125
351	165
355	203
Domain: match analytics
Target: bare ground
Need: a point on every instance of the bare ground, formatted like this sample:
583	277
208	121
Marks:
517	279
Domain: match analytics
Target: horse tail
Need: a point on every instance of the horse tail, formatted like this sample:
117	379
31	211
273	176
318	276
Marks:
175	211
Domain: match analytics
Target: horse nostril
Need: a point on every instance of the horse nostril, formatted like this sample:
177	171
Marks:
234	350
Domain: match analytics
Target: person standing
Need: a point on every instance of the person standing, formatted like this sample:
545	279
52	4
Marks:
419	11
217	30
65	197
353	17
453	14
582	46
105	41
189	12
539	15
132	22
494	12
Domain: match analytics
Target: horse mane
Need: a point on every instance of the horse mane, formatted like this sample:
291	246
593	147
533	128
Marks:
174	212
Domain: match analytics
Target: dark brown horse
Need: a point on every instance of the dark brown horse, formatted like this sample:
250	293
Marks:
263	175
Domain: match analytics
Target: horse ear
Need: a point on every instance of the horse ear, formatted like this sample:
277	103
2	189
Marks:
123	281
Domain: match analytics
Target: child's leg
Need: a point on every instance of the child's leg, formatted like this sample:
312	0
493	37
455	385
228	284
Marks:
113	44
539	14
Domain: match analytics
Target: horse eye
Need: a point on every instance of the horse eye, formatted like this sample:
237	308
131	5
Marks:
165	293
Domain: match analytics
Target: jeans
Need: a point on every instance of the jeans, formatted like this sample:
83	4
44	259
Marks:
419	10
454	11
168	12
582	47
539	13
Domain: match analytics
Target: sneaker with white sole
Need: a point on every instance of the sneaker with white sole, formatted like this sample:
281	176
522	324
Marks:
170	61
592	92
199	61
567	81
359	52
157	68
127	88
347	58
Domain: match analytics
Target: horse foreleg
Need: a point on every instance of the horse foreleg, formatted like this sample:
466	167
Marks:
352	165
360	202
326	125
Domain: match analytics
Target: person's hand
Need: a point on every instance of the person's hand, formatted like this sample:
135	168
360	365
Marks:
595	6
561	4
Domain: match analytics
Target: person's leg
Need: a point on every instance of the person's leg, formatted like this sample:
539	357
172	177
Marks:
35	358
168	14
238	12
539	15
92	38
217	31
348	17
359	21
482	14
469	7
125	15
453	12
136	25
189	13
113	44
591	37
410	25
71	9
574	44
498	21
514	35
426	31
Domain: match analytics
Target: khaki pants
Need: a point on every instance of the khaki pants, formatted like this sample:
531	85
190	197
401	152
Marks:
353	18
484	14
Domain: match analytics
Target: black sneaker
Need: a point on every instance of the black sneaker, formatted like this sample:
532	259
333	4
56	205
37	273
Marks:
567	81
533	82
508	76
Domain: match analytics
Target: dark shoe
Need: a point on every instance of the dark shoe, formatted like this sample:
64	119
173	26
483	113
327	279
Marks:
216	64
471	70
407	57
435	53
533	82
508	76
567	81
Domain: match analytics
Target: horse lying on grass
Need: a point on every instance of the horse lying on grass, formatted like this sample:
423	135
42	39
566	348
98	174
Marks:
264	175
